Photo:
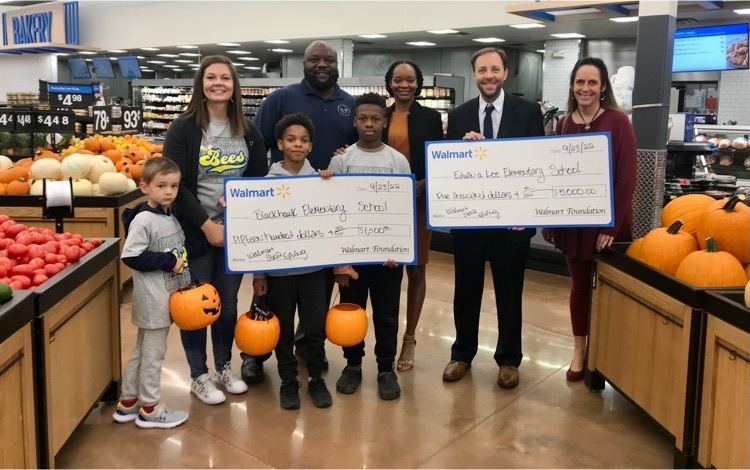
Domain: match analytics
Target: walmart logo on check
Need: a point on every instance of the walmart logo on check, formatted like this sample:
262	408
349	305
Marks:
282	191
479	153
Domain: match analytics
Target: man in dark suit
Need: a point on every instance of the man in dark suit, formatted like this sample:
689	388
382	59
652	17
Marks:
494	114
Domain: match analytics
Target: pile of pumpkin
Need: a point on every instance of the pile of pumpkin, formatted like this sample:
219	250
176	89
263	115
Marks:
702	241
100	167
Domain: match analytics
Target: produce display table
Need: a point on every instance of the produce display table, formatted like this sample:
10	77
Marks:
77	345
95	216
724	427
645	340
18	446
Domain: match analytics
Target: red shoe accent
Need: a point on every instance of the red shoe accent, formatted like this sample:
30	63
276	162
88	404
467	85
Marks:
575	376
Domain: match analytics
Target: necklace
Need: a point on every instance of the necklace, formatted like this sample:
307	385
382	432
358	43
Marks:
587	125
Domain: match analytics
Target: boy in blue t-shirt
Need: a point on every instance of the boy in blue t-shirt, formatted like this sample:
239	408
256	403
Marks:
383	283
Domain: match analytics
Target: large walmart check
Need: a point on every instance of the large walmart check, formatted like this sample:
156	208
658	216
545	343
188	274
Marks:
556	181
285	223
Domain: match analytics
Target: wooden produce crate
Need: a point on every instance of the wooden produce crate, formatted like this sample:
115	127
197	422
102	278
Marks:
724	426
95	216
77	334
644	340
18	447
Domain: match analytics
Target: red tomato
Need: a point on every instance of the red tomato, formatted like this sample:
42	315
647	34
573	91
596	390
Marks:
73	253
87	246
95	241
50	258
5	280
60	265
5	243
3	271
48	232
69	242
14	230
63	236
37	263
5	262
24	280
22	270
3	218
61	258
24	259
12	262
38	279
51	247
39	271
3	254
51	269
17	250
7	224
37	251
2	235
15	285
24	239
38	238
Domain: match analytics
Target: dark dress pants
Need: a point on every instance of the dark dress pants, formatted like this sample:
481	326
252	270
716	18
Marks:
507	252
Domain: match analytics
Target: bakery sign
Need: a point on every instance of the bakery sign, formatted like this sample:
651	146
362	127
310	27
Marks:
48	27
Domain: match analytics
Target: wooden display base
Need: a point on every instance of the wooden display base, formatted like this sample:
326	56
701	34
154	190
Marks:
724	436
644	339
95	216
18	447
77	334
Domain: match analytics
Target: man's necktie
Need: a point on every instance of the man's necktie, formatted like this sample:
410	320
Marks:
488	131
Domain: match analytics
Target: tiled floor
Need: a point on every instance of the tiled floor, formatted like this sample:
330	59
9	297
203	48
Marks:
544	422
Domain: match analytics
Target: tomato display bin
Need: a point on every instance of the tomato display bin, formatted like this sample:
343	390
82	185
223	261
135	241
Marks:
76	344
724	424
18	448
95	217
645	341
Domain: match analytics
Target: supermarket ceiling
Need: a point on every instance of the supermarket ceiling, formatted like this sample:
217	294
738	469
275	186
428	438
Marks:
258	53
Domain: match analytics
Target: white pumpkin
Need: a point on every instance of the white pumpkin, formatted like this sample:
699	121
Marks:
45	168
82	187
99	166
37	186
747	295
131	184
95	188
76	165
5	162
113	183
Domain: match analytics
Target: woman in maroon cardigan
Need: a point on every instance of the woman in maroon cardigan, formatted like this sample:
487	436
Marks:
592	108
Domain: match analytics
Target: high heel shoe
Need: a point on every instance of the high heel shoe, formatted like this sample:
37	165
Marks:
576	375
407	364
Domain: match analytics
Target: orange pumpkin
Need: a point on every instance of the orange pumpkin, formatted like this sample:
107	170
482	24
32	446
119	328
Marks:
195	306
91	144
257	337
346	324
711	268
634	250
106	144
3	188
728	222
689	209
14	173
18	187
747	270
665	248
39	154
136	170
113	154
121	164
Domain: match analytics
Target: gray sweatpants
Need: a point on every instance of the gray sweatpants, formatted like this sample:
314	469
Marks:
142	376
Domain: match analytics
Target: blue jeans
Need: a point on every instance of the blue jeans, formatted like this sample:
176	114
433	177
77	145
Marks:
211	268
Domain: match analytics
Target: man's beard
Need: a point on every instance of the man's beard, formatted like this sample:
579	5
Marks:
313	81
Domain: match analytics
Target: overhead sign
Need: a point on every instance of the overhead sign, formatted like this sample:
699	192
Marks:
49	26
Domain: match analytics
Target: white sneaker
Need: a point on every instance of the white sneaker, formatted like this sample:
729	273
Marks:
162	417
206	391
231	381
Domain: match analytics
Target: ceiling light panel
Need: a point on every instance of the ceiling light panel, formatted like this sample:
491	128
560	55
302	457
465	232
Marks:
238	52
488	40
624	19
229	44
276	41
527	25
188	47
568	35
373	36
281	50
149	48
167	55
443	31
421	43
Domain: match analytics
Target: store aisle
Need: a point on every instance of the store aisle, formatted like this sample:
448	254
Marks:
544	422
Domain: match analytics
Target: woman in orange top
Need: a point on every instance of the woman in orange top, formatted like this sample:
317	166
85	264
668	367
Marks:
410	125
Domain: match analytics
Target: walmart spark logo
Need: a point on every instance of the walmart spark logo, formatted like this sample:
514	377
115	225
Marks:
480	153
283	191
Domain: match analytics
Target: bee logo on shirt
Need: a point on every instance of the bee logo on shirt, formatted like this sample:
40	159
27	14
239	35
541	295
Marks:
344	110
214	162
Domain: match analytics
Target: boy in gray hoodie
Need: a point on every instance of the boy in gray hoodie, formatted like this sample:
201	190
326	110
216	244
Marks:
304	289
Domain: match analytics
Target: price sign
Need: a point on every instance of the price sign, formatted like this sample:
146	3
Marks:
54	121
6	120
132	119
24	121
71	100
102	119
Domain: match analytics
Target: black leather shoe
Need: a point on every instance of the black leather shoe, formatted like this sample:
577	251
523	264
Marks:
252	371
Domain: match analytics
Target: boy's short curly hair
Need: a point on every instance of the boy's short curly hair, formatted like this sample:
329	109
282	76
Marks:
158	166
295	119
370	98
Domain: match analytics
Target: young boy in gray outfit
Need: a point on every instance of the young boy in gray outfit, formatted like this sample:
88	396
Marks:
155	251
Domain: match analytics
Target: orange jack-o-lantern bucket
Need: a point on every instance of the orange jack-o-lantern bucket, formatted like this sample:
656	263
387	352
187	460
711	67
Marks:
257	331
195	306
346	324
